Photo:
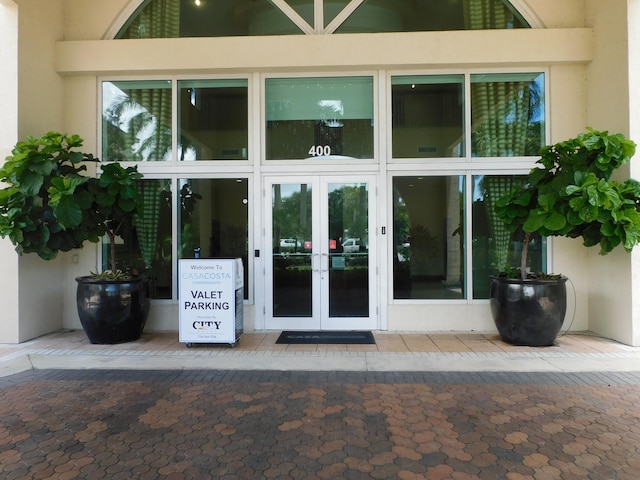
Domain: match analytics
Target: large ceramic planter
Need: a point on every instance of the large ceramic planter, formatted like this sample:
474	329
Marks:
529	312
113	311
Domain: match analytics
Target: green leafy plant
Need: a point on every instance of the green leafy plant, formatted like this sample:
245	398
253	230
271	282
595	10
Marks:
571	194
50	204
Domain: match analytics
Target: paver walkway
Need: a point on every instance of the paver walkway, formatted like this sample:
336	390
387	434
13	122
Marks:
88	424
412	406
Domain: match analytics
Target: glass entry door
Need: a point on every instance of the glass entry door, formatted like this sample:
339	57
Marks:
321	243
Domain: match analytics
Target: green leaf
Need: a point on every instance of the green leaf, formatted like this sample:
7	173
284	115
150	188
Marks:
572	189
105	199
607	229
576	203
32	183
534	222
547	201
555	222
68	212
127	205
588	213
129	192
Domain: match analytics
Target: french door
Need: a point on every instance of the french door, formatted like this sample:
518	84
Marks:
320	235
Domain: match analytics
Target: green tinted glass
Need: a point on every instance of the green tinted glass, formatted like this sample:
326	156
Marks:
319	118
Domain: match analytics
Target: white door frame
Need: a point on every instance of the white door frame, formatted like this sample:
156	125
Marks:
320	318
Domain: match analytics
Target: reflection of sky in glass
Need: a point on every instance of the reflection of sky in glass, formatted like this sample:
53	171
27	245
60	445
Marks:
331	110
288	189
477	191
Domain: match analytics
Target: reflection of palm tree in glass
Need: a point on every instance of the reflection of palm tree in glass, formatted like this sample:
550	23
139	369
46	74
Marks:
139	125
290	216
348	214
139	129
493	188
507	118
507	121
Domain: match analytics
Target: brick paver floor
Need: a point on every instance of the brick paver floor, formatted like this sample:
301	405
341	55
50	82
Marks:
112	424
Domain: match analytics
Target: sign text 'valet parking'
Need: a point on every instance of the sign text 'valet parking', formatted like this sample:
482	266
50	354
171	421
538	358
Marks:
208	300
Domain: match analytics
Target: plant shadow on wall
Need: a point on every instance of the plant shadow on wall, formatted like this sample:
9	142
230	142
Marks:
570	194
51	205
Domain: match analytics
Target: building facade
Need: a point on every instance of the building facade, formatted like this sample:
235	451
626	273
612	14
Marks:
349	151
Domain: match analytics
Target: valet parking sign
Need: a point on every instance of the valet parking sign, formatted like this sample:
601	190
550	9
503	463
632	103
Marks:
208	291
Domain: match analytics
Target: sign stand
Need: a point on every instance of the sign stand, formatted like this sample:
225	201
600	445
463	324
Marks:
211	300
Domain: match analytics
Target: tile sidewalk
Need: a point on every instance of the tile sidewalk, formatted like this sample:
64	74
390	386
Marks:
393	352
412	406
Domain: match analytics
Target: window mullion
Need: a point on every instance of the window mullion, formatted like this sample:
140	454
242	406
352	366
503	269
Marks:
468	237
318	15
175	220
174	121
467	116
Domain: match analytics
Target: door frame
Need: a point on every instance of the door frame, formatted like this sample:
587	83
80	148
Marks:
320	319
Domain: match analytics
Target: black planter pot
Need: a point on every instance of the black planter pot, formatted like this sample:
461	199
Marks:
529	312
113	311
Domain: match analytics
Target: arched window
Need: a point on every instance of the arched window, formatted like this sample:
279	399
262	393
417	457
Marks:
221	18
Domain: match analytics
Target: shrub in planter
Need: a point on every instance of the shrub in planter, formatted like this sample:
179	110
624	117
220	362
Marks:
50	204
569	194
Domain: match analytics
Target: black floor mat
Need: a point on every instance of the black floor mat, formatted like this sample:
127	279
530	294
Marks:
326	337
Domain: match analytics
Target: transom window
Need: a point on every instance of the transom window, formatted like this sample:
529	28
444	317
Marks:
320	118
221	18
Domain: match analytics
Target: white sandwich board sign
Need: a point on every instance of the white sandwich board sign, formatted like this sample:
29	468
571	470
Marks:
211	295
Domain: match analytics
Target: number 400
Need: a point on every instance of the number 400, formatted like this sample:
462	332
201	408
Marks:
320	150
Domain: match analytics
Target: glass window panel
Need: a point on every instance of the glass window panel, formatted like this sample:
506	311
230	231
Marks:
215	18
400	16
319	117
494	248
427	116
207	18
428	234
214	220
332	8
507	115
348	227
145	246
213	120
304	8
292	209
136	120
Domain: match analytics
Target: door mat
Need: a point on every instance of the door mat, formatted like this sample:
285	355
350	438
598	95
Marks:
326	337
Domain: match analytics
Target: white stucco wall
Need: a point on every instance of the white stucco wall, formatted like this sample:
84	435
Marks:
634	132
40	106
557	14
91	19
8	77
8	137
610	290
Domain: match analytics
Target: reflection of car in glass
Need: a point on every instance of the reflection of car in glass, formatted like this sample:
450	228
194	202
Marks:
290	244
351	245
404	252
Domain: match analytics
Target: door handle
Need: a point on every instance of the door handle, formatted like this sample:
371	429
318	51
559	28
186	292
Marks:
325	262
315	262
